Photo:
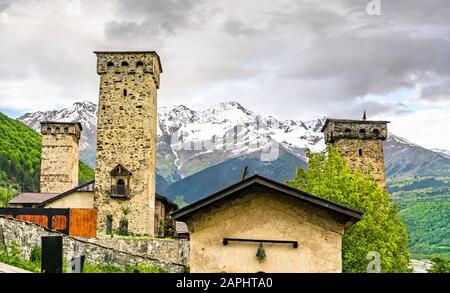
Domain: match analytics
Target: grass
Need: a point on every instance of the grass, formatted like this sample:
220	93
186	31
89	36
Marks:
131	235
12	255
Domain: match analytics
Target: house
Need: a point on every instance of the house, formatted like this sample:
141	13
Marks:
260	225
82	196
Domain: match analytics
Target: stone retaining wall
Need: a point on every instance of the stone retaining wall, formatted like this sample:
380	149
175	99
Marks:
157	252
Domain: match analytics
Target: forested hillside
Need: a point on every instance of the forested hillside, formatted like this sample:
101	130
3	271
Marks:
20	151
424	204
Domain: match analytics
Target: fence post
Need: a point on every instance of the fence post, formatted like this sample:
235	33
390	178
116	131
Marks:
52	254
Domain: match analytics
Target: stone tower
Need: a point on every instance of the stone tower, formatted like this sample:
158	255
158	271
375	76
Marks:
59	156
360	143
126	138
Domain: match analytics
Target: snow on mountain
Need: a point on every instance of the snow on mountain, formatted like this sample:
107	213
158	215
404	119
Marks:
207	137
189	140
442	152
406	159
83	112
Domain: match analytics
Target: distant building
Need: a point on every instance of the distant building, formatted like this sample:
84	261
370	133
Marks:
290	230
360	143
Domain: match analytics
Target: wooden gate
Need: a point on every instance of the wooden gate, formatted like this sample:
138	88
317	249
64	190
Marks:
83	222
73	222
55	219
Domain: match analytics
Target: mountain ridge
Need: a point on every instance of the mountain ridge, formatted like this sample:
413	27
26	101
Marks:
189	141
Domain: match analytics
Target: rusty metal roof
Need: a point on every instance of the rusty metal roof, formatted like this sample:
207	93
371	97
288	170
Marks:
32	198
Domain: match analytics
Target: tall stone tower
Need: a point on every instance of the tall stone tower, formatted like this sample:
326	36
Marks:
126	138
360	143
59	156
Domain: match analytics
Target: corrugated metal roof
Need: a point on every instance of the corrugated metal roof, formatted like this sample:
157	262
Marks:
32	198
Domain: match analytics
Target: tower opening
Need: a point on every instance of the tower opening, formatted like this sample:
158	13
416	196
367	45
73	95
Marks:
121	187
110	65
362	133
139	64
125	93
376	133
124	64
360	152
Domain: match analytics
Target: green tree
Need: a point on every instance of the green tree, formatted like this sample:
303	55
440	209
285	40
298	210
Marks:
440	265
379	230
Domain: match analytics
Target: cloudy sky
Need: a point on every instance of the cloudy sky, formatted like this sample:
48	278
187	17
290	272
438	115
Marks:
293	59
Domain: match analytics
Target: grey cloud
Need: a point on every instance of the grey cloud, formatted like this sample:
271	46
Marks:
4	4
156	18
436	92
373	108
373	62
237	28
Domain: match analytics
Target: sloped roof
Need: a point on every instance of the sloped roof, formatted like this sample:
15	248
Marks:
32	198
89	187
166	200
120	170
185	212
42	199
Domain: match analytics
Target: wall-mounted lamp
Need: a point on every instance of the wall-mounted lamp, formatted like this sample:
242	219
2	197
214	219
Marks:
261	253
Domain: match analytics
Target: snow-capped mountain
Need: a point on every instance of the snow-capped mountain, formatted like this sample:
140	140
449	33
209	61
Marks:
443	152
406	159
190	140
83	112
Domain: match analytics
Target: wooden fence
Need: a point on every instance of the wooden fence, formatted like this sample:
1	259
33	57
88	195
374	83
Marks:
73	222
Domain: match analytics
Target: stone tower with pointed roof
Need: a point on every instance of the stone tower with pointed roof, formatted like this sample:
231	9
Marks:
126	138
360	143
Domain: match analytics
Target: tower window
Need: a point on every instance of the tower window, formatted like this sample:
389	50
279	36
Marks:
362	133
139	64
110	64
49	130
124	64
66	130
121	187
125	93
376	132
57	130
347	131
360	152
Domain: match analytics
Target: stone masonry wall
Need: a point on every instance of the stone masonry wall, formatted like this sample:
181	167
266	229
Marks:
154	252
59	157
126	135
361	144
371	160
